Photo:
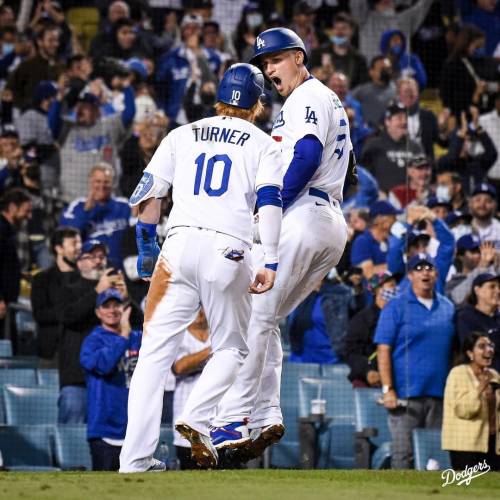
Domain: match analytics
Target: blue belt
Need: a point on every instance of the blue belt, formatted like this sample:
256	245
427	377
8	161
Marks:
320	194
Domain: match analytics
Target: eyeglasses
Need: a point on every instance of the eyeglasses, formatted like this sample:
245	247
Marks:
95	256
423	267
485	345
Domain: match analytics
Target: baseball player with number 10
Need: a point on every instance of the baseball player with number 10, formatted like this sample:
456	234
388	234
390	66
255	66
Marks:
312	131
219	168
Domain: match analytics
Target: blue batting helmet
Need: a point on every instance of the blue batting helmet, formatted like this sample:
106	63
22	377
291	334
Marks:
241	86
275	40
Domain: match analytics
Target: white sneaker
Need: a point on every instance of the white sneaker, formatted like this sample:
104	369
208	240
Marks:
203	451
157	466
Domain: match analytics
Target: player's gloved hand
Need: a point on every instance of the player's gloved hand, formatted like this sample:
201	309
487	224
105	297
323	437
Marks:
264	279
352	178
149	250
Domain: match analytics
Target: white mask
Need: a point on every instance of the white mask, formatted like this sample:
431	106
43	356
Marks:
443	193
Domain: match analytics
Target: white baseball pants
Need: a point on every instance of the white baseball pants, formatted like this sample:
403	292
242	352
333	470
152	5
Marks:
313	238
190	272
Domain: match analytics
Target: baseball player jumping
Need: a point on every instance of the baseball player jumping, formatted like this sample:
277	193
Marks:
219	168
312	131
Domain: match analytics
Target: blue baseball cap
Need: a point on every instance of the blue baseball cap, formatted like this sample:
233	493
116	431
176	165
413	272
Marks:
109	294
468	242
89	98
420	258
135	64
90	245
483	278
434	201
383	207
485	188
456	215
414	237
44	90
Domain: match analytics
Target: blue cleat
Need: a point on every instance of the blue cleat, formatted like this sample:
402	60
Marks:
233	435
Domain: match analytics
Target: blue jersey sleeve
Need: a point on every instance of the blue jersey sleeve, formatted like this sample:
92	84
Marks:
306	159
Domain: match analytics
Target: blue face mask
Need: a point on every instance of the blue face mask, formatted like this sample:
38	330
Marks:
7	48
397	49
479	52
339	40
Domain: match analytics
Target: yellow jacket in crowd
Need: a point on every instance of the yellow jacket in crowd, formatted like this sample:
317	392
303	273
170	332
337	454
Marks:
465	417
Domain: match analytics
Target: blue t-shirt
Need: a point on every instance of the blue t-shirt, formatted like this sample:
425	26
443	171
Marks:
366	247
317	347
421	342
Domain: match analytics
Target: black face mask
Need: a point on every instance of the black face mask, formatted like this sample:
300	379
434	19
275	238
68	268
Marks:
33	173
207	99
385	76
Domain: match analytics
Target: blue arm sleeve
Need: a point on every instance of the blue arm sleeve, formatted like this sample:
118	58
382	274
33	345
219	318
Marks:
129	112
102	358
269	195
395	261
444	256
54	118
306	159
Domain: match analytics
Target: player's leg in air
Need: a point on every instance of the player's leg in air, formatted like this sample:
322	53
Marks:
205	260
312	131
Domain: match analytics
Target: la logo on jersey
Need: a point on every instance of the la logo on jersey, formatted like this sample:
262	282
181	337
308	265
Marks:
311	116
260	42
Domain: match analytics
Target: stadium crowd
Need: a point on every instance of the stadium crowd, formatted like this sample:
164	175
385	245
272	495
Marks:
89	89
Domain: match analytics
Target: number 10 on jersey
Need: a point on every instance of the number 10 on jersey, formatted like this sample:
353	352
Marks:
216	161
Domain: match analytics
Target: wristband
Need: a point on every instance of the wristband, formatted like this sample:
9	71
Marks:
145	231
273	267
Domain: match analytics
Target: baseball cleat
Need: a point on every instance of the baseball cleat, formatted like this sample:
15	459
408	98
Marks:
157	466
262	438
202	449
234	435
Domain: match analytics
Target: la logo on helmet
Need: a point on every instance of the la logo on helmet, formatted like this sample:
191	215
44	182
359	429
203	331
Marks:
260	42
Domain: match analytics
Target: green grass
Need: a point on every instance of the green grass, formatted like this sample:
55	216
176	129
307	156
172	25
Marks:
238	485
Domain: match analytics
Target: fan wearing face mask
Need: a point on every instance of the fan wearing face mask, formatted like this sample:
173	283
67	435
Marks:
449	187
339	52
393	45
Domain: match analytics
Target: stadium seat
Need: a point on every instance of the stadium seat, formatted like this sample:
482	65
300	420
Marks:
85	21
26	447
426	445
71	447
338	372
5	348
286	453
336	390
18	376
337	447
370	416
48	377
30	405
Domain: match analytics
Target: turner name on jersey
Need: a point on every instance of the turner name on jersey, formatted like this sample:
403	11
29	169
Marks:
212	158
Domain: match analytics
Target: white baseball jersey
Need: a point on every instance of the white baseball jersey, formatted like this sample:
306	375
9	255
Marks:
190	345
313	109
213	159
